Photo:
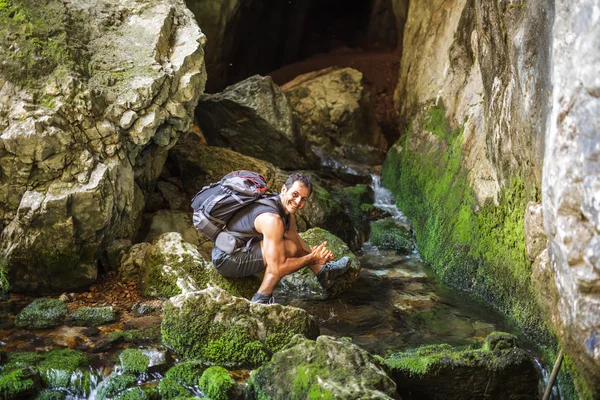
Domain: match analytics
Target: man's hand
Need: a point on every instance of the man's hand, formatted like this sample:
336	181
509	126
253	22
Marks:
321	254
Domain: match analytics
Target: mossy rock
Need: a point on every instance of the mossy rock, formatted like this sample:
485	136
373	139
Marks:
136	336
305	282
391	235
187	373
171	389
497	369
172	266
323	369
219	329
51	395
354	198
92	316
20	383
217	384
115	385
42	313
134	361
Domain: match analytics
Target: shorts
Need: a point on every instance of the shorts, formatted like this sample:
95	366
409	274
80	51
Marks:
239	264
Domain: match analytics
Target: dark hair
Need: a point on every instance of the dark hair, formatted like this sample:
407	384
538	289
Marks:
298	177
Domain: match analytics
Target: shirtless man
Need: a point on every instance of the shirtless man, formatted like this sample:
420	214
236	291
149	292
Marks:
281	250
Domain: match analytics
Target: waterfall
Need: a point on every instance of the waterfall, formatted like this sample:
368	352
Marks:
384	199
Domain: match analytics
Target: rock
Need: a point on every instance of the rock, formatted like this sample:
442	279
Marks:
325	368
354	200
115	252
393	235
78	154
42	313
336	113
571	183
217	384
230	331
92	316
343	169
138	361
115	386
172	266
254	118
141	323
22	382
174	196
498	369
174	221
535	237
132	263
305	282
144	308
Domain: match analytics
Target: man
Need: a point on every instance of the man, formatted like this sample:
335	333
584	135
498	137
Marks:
275	247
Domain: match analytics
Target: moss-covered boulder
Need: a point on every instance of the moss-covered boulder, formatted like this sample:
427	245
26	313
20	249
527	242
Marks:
134	361
51	395
118	386
392	235
42	313
187	373
217	384
498	369
305	282
219	329
92	316
172	266
19	383
323	369
356	201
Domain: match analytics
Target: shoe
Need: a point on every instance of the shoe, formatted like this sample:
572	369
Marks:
260	298
332	270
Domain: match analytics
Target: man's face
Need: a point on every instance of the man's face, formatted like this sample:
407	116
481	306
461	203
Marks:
294	198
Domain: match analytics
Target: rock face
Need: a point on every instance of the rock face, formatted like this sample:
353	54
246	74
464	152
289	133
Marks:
82	144
571	185
254	118
325	368
336	112
217	328
498	370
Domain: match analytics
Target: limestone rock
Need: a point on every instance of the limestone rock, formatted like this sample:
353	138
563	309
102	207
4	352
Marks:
254	118
132	263
336	112
173	266
571	186
82	141
115	252
217	328
393	235
498	369
535	236
174	221
305	282
327	368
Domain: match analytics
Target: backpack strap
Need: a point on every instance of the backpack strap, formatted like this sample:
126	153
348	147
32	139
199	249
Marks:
276	201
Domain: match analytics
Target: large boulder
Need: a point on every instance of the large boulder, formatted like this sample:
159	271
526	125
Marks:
219	329
91	98
253	117
173	266
571	184
498	370
327	368
337	114
305	282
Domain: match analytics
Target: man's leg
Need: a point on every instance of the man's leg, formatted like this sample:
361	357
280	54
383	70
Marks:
270	280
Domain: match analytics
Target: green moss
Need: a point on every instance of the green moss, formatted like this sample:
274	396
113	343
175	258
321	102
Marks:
134	361
115	384
135	393
40	38
92	316
42	313
171	389
316	236
136	336
4	284
58	366
17	384
236	348
51	395
482	253
305	382
187	373
21	359
60	262
216	383
353	198
388	234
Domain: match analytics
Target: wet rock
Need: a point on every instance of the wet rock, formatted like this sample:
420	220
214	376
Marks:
23	382
356	201
535	237
174	221
343	169
92	316
144	308
216	383
327	368
336	112
91	331
498	369
219	329
132	263
147	322
304	281
253	117
42	313
115	252
172	266
393	235
118	385
79	153
139	361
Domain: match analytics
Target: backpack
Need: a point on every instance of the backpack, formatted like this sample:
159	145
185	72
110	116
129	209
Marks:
216	203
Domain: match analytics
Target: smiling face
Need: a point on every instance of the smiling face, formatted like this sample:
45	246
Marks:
294	198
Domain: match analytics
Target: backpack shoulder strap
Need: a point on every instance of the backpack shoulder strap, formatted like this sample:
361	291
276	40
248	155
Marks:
275	201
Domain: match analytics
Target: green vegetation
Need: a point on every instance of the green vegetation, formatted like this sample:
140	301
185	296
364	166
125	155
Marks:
216	383
187	373
388	234
171	389
353	199
92	316
39	38
51	395
18	383
136	336
114	384
134	361
235	347
4	284
42	313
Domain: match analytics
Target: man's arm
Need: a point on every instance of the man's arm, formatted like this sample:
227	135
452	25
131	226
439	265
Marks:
292	234
274	255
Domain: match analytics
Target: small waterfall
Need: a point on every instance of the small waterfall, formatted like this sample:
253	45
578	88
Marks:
384	199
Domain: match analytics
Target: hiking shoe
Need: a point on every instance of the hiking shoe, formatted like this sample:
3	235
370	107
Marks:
332	270
260	298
